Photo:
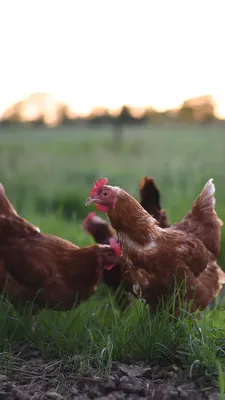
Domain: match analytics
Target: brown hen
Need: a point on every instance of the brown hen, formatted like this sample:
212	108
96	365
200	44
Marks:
8	285
166	255
102	232
46	269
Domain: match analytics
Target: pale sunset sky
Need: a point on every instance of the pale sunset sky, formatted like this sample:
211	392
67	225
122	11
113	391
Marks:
92	53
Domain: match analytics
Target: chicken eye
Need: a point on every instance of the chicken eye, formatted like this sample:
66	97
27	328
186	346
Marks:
104	194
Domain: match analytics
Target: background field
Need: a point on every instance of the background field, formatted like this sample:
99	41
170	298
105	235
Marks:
48	173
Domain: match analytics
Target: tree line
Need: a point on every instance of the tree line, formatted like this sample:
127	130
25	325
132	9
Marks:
39	112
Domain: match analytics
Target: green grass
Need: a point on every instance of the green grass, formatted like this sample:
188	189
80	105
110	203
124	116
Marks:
48	175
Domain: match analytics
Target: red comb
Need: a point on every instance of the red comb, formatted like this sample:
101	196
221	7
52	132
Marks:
89	216
98	185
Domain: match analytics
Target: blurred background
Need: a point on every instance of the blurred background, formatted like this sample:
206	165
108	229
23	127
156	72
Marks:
110	88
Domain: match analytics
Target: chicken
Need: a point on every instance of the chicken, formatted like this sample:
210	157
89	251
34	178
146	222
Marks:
102	233
209	231
58	272
154	259
7	283
206	229
150	201
46	269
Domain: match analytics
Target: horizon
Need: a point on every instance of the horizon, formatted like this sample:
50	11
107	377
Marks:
140	54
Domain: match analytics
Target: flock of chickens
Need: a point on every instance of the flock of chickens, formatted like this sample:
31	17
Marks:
140	252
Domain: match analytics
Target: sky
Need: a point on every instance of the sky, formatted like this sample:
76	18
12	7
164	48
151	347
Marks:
92	53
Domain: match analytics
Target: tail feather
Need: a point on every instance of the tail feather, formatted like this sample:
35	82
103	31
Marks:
206	199
202	220
205	202
6	207
149	192
150	200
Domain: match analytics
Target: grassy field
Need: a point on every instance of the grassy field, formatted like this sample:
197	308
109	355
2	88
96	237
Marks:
48	174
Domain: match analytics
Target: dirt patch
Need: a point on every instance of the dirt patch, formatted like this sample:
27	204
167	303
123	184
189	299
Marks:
36	379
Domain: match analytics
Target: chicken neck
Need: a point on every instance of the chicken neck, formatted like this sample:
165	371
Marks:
132	222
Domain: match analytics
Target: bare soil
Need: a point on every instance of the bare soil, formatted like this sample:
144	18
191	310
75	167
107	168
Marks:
33	378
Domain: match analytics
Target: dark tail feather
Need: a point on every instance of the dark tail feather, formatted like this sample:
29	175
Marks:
150	200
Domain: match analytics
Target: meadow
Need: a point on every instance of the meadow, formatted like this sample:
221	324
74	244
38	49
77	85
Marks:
47	174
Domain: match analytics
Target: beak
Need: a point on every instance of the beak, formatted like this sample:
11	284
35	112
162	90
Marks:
89	201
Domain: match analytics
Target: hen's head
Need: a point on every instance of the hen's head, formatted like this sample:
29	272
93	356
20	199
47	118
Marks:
103	195
89	222
98	228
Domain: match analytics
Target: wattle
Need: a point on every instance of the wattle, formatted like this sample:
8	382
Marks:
101	208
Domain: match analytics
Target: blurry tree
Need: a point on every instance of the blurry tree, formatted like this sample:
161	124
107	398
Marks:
125	116
186	113
38	109
39	121
12	114
100	116
150	114
201	109
64	116
41	108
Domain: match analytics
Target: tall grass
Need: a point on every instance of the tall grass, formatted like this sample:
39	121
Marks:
96	334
